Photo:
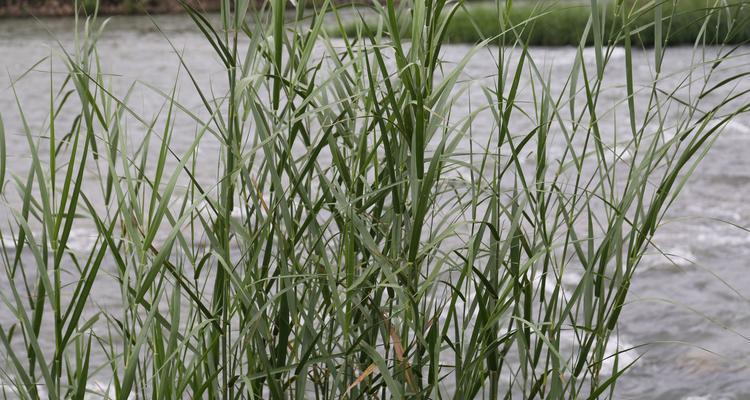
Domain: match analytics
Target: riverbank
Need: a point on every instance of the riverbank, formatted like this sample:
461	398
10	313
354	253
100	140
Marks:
563	24
64	8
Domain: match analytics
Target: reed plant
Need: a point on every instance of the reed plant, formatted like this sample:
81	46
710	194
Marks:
363	238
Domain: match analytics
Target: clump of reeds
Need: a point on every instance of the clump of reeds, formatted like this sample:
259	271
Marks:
362	239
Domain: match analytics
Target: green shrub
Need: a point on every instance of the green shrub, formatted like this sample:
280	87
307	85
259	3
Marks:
563	23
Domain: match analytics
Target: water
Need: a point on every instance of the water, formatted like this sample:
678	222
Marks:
685	311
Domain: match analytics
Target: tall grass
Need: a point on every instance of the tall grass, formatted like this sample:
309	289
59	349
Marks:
362	239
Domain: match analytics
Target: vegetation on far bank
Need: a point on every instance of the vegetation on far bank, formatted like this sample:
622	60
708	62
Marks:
60	8
561	23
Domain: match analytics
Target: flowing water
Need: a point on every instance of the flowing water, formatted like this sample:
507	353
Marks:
688	309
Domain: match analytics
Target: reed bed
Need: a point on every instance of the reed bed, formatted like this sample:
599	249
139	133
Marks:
362	239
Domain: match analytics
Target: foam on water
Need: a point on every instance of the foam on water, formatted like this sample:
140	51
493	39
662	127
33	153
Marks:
738	126
82	240
680	256
7	244
620	350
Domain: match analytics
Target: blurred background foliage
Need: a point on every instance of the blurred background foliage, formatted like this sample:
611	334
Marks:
539	22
